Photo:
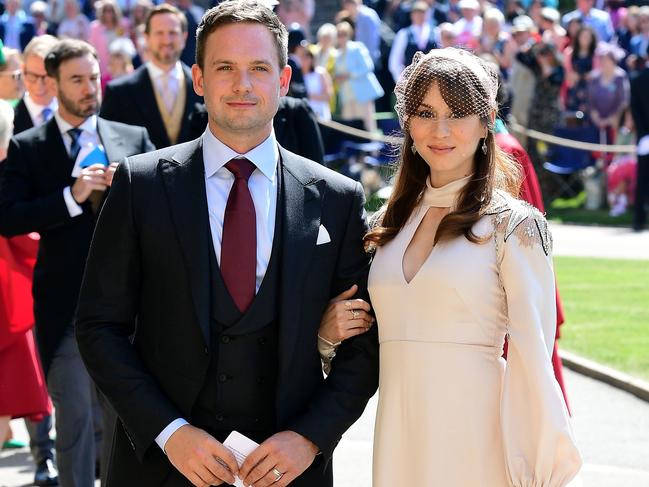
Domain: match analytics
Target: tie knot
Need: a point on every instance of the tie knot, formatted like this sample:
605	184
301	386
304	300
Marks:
241	168
74	134
46	113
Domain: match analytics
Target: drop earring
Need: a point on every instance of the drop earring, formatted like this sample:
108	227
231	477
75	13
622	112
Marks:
484	146
413	149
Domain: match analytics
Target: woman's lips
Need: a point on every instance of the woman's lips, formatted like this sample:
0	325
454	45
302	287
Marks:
441	149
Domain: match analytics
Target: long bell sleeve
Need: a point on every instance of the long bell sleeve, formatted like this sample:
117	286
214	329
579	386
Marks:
539	444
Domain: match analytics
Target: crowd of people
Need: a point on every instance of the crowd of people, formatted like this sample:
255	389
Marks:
557	70
85	85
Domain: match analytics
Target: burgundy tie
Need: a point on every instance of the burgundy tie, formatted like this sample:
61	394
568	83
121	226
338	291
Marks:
239	242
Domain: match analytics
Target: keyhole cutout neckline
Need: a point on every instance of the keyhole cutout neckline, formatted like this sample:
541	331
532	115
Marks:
444	197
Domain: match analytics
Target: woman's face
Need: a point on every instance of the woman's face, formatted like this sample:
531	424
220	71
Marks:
108	15
446	142
585	39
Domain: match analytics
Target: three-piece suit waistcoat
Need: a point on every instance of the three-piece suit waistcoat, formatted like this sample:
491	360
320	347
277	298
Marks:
239	388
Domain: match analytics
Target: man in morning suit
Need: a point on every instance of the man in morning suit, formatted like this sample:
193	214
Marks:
211	266
640	112
159	94
45	188
38	104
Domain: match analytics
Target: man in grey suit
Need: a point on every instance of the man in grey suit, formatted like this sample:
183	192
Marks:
53	182
211	266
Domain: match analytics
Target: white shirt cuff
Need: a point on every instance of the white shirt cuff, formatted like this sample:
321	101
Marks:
73	207
163	437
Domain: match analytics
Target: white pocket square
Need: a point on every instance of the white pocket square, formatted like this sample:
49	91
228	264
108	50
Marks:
323	236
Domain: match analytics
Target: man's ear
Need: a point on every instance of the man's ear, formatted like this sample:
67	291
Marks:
197	80
285	80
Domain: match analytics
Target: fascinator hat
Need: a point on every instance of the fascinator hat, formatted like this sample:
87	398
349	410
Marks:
467	84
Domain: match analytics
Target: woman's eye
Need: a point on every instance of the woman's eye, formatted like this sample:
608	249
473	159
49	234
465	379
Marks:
425	114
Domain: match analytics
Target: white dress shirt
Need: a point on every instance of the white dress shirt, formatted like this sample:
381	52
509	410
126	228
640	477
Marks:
88	140
263	189
36	111
176	77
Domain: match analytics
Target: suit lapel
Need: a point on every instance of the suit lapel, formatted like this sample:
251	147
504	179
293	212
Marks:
189	89
301	212
111	140
55	152
184	181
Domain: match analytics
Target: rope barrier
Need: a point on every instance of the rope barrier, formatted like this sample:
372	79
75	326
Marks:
515	127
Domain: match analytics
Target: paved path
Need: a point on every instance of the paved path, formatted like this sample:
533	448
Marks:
584	241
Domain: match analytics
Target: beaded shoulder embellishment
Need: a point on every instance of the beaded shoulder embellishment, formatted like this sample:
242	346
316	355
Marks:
515	217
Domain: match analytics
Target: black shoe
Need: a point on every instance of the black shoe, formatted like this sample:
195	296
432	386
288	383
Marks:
46	474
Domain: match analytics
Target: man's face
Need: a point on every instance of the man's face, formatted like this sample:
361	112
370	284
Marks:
585	5
241	81
78	86
418	17
11	80
12	6
35	79
166	39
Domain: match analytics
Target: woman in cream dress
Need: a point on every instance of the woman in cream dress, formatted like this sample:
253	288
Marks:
459	265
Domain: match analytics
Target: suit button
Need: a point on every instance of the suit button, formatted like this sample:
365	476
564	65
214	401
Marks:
219	417
263	341
256	420
225	339
206	350
223	377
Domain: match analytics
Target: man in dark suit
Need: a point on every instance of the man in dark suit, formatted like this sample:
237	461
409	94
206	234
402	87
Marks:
296	127
47	188
159	94
38	104
640	112
211	266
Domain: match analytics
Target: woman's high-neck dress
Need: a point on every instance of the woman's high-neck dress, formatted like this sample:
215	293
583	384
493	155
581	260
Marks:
451	412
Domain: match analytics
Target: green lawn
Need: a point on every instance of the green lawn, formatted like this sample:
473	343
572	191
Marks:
606	304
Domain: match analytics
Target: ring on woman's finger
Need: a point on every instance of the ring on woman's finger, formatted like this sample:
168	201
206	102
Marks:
355	314
278	474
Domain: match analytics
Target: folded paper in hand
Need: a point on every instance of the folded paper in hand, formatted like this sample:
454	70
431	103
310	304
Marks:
240	446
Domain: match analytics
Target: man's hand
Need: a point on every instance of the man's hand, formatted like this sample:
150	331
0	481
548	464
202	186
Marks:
92	178
110	172
200	458
287	452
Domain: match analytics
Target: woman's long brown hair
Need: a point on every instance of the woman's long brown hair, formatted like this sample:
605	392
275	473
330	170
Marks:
493	170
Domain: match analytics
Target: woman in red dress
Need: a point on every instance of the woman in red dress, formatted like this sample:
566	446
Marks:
531	192
23	391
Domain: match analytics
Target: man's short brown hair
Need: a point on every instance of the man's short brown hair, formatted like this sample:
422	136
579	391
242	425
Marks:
241	12
165	8
65	50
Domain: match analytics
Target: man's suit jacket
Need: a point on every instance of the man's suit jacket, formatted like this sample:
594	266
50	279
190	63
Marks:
131	99
296	127
22	118
149	265
640	103
31	200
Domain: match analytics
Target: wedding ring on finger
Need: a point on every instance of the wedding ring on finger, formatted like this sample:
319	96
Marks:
278	474
355	313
